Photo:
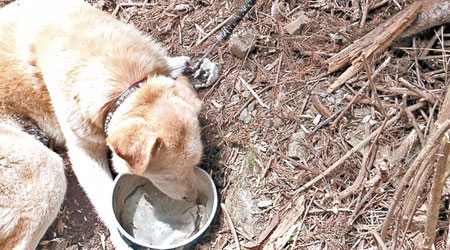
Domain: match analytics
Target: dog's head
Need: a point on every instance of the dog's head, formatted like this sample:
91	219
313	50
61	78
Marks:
157	133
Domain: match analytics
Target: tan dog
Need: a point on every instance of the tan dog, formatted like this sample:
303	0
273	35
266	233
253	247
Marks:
63	64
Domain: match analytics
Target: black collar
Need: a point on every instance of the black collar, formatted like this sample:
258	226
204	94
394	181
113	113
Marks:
118	101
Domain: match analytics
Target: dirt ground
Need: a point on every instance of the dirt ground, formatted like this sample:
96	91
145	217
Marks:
259	116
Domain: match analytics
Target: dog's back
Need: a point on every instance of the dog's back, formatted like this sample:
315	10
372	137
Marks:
32	183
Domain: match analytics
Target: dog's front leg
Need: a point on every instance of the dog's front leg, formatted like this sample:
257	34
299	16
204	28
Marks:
91	168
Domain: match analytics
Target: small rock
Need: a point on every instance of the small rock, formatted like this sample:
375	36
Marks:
245	116
263	204
241	43
73	247
277	123
59	227
296	27
58	244
235	98
241	206
272	149
295	148
267	123
246	94
366	119
216	104
277	9
317	119
251	107
100	5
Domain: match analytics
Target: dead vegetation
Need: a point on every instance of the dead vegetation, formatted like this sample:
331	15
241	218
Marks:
303	158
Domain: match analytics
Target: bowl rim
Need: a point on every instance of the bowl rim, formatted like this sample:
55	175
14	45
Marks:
182	243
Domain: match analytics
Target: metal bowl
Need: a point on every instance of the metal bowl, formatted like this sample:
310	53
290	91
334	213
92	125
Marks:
148	219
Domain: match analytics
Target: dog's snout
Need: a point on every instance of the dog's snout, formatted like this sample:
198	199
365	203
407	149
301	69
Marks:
191	196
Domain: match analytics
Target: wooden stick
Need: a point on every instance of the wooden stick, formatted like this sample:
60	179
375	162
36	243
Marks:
379	241
116	10
253	93
436	193
230	225
411	216
427	96
424	153
411	118
218	27
364	15
372	85
377	71
297	164
335	122
353	150
362	170
433	13
372	43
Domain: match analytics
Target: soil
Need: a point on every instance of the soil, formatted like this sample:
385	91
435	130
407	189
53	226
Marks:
260	141
77	225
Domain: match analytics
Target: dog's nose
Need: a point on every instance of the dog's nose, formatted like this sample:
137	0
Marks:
191	196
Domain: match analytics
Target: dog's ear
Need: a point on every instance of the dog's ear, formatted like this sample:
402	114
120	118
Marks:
136	144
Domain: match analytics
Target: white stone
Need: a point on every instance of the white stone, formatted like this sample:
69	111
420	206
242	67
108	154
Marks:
263	204
241	42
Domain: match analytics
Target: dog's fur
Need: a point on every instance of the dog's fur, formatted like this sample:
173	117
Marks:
62	63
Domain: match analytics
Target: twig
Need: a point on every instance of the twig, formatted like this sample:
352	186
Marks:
372	84
253	93
372	153
299	165
213	31
230	225
320	107
347	107
411	118
378	5
364	15
335	122
416	62
372	43
353	150
426	96
424	153
116	10
436	192
430	119
347	155
326	121
428	46
405	230
250	100
402	151
280	60
379	241
362	171
398	5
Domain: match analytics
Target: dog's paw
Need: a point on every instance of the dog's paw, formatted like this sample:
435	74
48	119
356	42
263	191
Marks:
206	75
178	65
